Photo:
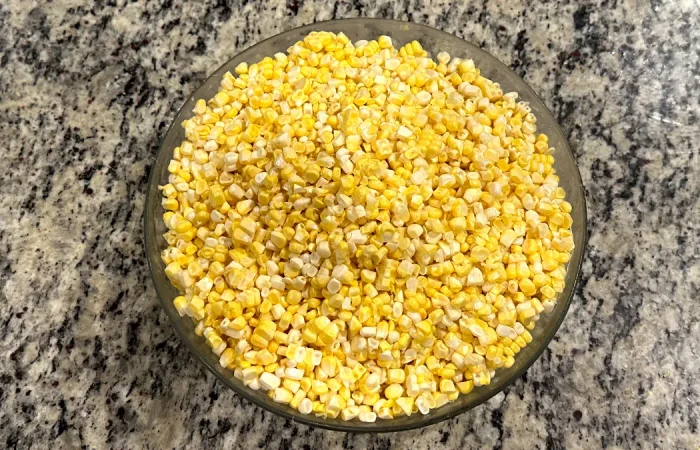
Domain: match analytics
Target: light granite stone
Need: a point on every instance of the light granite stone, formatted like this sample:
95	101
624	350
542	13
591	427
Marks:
89	360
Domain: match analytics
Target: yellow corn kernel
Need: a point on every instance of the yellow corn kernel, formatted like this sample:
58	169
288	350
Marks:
319	212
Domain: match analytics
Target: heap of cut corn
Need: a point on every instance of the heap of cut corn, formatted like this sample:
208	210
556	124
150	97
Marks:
363	231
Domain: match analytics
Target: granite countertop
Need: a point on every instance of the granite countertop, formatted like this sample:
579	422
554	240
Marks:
87	90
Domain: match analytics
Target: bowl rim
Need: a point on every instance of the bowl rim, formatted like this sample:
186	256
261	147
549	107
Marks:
383	426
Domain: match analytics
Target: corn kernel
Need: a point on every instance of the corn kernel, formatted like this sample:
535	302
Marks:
361	231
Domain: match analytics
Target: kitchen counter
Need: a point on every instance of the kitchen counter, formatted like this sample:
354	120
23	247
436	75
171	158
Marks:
89	358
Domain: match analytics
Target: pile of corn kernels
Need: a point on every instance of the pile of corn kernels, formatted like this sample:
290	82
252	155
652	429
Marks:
362	231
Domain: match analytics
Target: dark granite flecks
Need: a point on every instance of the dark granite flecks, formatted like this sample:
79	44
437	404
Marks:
87	89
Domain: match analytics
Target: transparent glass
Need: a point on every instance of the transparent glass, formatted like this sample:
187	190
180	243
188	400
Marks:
433	41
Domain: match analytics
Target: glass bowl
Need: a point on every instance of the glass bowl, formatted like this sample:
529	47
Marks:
433	41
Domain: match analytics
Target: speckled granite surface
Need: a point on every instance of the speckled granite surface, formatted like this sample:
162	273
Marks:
88	358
